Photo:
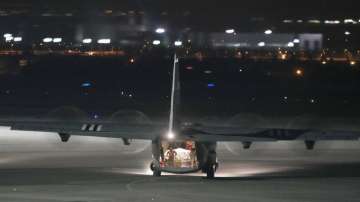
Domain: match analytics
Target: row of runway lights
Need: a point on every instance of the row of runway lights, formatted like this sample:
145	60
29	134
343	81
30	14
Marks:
177	43
10	38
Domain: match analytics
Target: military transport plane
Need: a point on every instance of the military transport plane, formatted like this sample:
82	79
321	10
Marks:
180	147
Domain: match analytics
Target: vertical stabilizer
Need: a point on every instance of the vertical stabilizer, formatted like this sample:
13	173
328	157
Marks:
175	99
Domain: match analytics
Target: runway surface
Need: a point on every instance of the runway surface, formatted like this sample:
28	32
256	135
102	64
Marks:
37	167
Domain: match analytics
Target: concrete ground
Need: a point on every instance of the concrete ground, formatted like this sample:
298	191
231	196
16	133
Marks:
36	167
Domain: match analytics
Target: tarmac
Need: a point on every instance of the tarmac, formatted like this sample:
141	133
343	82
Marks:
37	167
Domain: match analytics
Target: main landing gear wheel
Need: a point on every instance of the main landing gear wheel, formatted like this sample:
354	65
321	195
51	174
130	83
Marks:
156	171
210	171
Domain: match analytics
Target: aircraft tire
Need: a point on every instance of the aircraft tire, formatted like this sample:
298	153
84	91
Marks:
156	173
152	166
210	172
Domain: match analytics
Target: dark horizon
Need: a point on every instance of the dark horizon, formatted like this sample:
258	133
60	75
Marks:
230	8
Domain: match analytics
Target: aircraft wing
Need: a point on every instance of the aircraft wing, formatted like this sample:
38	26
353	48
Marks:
152	131
232	133
98	129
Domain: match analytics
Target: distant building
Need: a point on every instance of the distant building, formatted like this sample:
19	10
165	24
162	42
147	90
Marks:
309	42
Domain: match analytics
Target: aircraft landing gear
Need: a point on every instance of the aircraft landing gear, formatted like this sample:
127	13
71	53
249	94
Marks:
64	137
210	172
155	170
157	173
212	163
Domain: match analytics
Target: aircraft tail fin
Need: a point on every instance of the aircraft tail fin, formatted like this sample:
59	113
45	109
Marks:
175	98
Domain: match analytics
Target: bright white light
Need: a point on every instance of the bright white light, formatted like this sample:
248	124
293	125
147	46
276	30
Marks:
347	33
104	41
350	21
332	22
314	21
170	135
87	41
47	40
229	31
57	40
18	39
160	30
269	31
178	43
156	42
287	21
296	41
290	44
9	38
261	44
7	35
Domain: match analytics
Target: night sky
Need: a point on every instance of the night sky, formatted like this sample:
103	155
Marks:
210	8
